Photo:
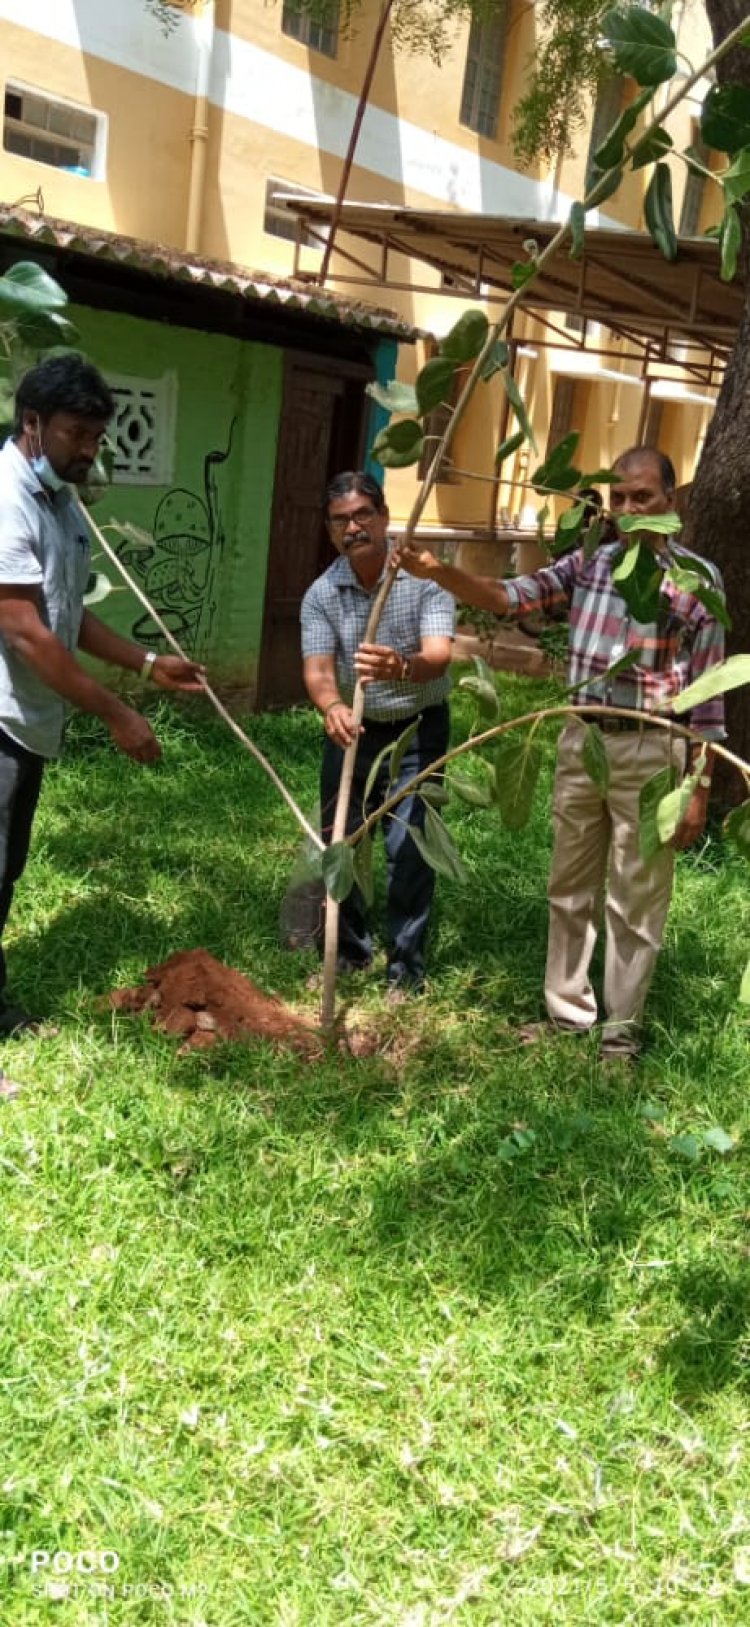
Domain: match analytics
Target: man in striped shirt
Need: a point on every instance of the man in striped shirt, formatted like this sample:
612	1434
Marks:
406	679
597	868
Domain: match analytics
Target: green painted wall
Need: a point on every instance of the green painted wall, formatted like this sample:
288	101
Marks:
207	573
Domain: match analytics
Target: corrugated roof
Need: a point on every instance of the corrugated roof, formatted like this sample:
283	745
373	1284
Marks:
621	279
173	265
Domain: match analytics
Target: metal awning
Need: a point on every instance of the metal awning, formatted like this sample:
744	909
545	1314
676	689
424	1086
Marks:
621	279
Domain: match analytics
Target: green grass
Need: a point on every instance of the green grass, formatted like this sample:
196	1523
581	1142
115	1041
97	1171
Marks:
342	1344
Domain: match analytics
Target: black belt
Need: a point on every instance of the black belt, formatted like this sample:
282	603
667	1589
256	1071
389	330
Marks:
614	725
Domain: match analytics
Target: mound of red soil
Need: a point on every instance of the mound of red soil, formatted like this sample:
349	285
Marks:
195	995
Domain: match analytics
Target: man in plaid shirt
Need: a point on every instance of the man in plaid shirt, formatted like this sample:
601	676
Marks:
597	868
406	680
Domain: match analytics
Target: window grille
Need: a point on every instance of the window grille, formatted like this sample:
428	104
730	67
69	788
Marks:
68	137
142	430
320	36
480	99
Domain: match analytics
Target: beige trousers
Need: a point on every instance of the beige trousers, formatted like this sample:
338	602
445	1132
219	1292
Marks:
598	875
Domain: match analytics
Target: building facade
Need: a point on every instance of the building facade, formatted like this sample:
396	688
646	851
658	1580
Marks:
187	135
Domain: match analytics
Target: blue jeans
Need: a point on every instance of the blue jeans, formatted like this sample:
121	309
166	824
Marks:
411	882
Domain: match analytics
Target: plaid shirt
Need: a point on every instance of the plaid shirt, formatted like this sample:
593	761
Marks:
335	613
684	642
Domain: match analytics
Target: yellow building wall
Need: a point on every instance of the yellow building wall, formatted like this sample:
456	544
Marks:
417	149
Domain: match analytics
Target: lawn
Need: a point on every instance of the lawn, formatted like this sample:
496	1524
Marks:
455	1333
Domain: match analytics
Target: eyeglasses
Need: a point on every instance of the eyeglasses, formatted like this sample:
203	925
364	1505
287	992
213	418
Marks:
362	516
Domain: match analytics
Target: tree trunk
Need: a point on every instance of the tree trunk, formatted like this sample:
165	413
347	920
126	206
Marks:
719	519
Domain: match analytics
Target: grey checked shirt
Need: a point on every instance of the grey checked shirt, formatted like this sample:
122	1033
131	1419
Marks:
335	612
43	544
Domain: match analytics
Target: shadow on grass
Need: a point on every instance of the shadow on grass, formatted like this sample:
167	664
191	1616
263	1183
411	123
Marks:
710	1352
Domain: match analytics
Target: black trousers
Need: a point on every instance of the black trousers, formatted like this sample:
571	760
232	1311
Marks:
21	774
411	882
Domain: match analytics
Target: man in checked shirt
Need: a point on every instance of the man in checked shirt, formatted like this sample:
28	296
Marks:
597	869
406	679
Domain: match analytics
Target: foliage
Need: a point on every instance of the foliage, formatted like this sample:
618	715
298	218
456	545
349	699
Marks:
31	320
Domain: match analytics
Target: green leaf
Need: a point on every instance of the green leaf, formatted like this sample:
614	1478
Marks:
466	337
737	828
611	151
652	793
399	444
556	472
725	120
602	187
485	694
673	807
509	446
478	793
662	525
26	290
374	771
657	210
719	1140
517	766
497	358
338	870
651	147
436	846
653	1112
434	383
643	44
98	588
394	397
401	746
7	402
730	241
593	537
363	868
601	477
483	669
517	402
577	224
689	581
696	162
522	272
435	792
595	759
569	527
736	179
639	579
730	674
687	1146
44	330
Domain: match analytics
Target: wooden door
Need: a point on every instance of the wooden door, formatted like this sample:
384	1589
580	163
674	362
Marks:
320	433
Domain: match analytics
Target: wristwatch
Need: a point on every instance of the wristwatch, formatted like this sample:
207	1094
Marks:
148	665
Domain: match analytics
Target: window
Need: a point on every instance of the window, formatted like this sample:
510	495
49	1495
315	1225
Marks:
52	132
609	100
278	221
695	191
319	36
142	430
480	99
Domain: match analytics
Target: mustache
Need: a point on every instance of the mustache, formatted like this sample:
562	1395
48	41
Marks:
359	536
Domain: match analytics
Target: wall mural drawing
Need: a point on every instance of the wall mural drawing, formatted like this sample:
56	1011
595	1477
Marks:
180	569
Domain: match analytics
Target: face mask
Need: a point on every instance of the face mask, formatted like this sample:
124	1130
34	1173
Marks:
44	471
